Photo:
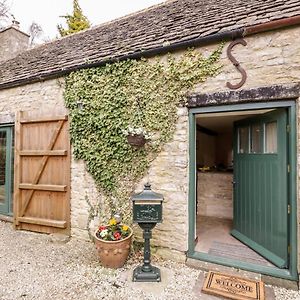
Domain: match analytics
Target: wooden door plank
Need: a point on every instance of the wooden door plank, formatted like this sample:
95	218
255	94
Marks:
45	222
43	152
46	119
17	168
49	211
68	178
42	165
43	187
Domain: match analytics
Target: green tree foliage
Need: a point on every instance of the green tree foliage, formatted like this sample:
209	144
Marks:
75	22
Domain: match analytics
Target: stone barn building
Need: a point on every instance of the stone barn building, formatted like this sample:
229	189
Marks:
230	174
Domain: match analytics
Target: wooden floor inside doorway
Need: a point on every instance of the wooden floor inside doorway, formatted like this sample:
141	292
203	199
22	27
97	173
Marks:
214	238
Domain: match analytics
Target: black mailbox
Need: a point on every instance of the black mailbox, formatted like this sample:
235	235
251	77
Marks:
147	212
147	206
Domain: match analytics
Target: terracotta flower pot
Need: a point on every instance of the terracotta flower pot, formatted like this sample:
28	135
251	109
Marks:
136	140
113	254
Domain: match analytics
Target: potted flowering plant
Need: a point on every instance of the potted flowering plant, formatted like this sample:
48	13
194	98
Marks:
136	137
113	243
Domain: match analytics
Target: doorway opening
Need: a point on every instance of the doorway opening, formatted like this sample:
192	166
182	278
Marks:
242	186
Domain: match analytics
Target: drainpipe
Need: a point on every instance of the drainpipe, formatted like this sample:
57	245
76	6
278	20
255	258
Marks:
272	25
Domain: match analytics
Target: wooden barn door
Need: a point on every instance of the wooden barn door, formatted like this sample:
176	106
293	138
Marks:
42	173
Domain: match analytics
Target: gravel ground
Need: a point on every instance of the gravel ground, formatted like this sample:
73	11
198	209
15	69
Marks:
32	267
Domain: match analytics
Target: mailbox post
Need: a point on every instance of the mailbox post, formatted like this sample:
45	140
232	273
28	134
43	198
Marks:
147	212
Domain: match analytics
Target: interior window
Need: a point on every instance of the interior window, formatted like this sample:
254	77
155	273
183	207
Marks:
243	134
255	138
271	137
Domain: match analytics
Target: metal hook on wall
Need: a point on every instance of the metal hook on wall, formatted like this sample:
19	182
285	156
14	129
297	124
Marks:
236	64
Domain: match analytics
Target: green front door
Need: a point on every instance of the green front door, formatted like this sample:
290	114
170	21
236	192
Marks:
260	185
6	170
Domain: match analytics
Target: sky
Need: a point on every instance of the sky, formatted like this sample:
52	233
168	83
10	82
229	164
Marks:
47	12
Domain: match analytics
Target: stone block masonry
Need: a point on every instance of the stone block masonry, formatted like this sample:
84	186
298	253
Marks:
215	195
12	42
44	96
269	58
168	175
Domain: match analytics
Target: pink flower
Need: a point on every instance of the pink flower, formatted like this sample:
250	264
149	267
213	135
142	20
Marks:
102	228
117	235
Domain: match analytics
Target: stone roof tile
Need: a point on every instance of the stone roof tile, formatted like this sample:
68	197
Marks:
166	24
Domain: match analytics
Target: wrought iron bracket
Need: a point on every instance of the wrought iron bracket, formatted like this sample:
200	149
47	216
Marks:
236	64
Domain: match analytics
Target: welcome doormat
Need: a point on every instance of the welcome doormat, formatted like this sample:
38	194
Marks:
233	287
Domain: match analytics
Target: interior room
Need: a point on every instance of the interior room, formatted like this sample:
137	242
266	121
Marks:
215	169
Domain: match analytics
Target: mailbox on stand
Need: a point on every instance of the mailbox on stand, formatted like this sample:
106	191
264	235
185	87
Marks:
147	212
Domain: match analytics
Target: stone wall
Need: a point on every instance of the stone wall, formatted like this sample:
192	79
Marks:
169	176
47	97
12	42
215	195
44	96
269	58
85	201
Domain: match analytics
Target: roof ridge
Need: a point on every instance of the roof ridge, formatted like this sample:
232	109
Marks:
13	27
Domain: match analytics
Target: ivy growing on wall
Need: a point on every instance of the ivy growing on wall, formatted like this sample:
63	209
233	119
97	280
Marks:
137	93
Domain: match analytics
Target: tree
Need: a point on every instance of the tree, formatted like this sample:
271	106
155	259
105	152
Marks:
4	13
35	32
75	22
3	9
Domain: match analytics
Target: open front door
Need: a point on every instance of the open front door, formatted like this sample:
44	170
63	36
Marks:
260	185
